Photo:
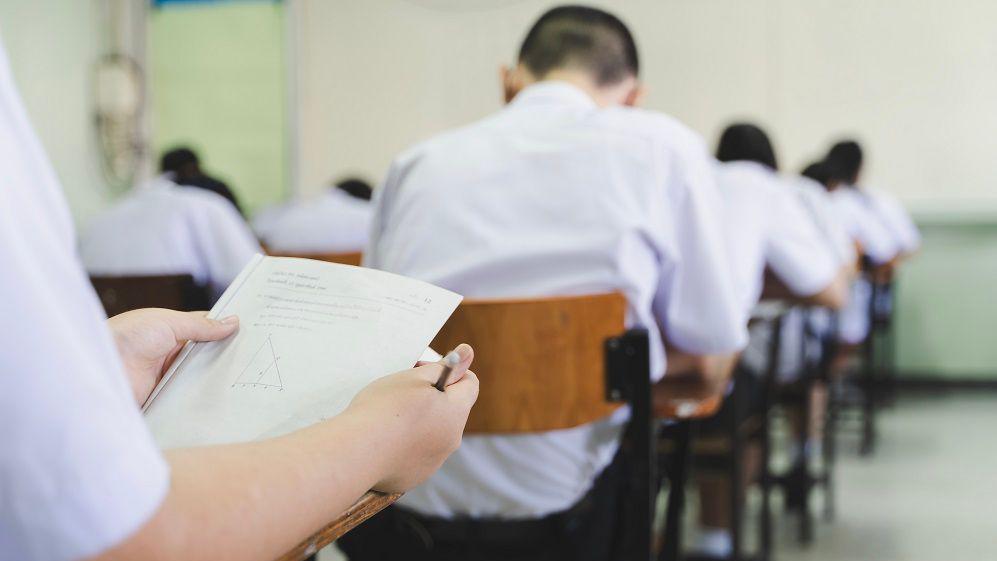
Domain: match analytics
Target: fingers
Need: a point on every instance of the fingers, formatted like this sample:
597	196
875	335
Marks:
464	392
196	326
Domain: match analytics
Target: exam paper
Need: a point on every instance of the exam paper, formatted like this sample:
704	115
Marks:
311	336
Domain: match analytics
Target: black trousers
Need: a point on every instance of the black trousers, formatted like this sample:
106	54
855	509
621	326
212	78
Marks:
588	531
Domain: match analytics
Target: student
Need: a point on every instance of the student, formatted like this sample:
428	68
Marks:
161	228
767	227
184	168
565	191
848	157
335	221
80	475
878	245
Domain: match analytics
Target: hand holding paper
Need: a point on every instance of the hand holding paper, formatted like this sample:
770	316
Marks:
311	336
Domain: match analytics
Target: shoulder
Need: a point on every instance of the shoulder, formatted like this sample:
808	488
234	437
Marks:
445	143
654	126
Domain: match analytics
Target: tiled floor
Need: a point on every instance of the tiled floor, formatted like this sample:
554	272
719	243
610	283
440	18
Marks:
929	493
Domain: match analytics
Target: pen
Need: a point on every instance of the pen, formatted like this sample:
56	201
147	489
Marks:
449	362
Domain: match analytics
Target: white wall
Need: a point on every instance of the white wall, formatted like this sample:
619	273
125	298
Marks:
914	79
52	45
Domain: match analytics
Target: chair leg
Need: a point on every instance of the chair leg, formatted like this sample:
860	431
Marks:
830	449
765	545
671	550
734	463
804	477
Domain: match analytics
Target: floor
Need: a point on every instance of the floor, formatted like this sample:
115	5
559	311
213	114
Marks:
928	493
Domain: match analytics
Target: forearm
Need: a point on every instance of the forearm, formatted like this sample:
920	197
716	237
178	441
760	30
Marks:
258	500
695	377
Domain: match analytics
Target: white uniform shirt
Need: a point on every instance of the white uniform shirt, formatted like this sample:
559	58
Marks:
863	225
767	225
555	196
895	218
879	243
331	222
78	470
161	228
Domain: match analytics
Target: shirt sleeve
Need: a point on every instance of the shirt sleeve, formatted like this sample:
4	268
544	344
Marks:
794	248
695	303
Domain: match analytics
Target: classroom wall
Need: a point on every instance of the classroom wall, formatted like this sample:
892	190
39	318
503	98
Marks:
52	45
913	79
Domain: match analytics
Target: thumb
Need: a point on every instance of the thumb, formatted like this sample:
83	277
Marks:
197	326
465	391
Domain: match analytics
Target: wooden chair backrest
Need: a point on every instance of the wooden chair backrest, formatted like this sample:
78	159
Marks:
120	294
352	258
541	362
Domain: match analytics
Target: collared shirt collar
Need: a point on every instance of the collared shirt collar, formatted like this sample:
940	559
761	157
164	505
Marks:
554	91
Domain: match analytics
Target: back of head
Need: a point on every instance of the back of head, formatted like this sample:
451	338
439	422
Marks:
819	172
180	161
746	142
847	157
580	38
355	187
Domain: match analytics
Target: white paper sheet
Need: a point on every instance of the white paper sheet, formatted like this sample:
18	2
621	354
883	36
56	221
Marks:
311	335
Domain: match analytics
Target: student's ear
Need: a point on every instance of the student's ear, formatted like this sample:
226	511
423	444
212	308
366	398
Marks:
636	96
511	82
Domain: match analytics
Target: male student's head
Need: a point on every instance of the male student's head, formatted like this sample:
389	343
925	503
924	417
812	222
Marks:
746	142
182	162
355	187
587	47
847	157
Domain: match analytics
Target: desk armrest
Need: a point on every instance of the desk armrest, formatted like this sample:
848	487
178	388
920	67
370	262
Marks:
368	505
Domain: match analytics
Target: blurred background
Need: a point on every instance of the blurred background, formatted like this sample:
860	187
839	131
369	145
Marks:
281	96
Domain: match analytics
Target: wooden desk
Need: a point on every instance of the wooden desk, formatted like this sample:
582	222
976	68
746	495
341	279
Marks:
368	505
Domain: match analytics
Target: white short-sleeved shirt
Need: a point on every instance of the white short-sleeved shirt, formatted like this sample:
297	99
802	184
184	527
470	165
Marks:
896	219
331	222
78	470
555	196
863	225
161	228
884	232
766	224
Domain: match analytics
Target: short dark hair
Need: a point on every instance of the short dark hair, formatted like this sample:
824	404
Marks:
356	187
746	142
177	158
847	157
582	37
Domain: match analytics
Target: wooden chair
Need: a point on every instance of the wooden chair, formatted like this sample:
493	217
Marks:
556	363
120	294
799	480
683	444
352	258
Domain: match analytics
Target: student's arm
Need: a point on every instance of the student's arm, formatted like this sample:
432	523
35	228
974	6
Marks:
834	295
803	267
696	377
258	500
696	306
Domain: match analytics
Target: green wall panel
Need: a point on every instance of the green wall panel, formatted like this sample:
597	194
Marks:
218	84
947	304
